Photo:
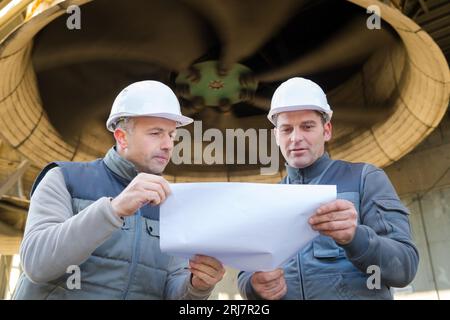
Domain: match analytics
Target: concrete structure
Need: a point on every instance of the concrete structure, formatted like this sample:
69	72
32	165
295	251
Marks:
422	178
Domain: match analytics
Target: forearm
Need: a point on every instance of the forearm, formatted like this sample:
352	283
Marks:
396	258
50	248
383	238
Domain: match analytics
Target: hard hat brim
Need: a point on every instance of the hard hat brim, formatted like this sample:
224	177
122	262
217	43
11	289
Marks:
179	119
273	112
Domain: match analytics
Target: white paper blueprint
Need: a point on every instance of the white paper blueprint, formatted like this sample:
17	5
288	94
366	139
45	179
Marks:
247	226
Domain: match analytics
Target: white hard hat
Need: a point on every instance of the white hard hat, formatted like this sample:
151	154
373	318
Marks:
147	98
298	94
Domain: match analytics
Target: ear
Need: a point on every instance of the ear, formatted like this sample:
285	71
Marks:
121	138
275	132
327	131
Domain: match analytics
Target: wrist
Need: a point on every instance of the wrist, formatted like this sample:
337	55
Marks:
114	207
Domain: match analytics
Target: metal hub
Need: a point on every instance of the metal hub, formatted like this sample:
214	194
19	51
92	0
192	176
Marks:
202	83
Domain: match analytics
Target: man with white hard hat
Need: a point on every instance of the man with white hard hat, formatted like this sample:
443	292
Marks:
93	227
364	247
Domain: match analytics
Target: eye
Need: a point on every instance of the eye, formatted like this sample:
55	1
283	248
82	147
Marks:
286	130
308	126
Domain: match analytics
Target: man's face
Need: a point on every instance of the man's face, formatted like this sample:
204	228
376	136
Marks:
148	144
301	136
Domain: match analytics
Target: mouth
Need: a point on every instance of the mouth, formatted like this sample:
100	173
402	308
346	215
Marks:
161	158
298	149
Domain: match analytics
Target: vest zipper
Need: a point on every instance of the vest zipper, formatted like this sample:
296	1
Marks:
302	176
135	253
302	181
301	276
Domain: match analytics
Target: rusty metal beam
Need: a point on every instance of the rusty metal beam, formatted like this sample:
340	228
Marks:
14	177
12	10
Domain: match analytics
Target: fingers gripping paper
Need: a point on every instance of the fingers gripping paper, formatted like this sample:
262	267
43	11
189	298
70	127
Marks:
247	226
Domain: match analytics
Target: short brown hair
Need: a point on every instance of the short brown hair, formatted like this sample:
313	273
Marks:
323	117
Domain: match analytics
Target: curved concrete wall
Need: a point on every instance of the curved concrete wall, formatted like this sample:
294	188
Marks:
412	75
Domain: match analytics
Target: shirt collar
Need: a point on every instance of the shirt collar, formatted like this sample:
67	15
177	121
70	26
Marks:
305	175
120	165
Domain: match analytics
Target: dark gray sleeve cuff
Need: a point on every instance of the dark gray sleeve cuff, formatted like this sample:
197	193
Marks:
195	293
245	286
251	294
360	243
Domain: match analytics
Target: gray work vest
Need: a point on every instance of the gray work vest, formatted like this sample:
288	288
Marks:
129	265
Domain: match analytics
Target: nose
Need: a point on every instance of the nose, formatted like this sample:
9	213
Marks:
167	142
296	135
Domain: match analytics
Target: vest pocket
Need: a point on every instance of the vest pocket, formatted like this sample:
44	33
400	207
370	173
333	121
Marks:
150	253
326	248
387	209
152	227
